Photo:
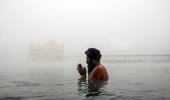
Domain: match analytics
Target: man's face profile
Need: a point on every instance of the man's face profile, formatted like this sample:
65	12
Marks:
88	60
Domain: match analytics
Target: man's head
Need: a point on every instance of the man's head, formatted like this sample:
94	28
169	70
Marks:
93	58
93	55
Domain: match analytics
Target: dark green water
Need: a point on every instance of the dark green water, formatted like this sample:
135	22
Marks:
130	79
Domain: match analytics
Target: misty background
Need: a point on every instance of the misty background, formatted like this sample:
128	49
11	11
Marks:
116	27
42	41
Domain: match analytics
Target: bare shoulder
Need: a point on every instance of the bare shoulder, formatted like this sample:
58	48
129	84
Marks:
101	67
98	69
99	74
103	72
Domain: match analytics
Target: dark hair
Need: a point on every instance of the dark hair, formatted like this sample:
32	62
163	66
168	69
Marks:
93	53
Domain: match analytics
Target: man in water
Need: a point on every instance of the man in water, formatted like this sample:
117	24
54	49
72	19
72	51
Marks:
96	71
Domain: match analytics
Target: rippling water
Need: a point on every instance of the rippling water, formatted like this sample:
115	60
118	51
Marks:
133	78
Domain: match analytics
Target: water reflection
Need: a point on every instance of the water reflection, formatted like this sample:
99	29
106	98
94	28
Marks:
90	89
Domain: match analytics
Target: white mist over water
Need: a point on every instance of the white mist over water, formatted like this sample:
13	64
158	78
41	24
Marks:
115	27
124	27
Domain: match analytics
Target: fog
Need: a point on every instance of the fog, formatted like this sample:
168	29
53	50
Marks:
116	27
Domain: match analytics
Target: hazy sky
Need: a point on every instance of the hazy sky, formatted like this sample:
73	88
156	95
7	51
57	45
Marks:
114	26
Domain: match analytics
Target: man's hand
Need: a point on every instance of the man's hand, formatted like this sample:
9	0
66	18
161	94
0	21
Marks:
81	70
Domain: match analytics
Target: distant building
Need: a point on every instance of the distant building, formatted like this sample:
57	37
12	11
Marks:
51	50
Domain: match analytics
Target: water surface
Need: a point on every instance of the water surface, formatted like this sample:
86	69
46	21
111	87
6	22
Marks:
133	78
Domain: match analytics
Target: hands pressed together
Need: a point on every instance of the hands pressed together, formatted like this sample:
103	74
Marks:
81	70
